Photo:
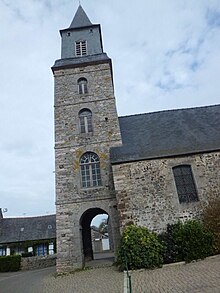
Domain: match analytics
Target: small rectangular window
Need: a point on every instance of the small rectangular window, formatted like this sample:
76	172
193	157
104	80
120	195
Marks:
81	48
2	251
51	248
41	249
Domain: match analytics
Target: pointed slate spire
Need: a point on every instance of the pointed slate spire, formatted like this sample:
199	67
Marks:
80	19
81	42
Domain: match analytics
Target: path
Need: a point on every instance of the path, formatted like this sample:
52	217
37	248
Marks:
198	277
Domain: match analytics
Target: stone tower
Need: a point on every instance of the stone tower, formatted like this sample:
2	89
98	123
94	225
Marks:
86	126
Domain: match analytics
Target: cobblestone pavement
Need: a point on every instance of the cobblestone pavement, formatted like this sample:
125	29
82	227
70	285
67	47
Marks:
197	277
97	280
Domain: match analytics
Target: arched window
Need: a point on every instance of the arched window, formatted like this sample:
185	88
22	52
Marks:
185	183
82	86
90	170
85	120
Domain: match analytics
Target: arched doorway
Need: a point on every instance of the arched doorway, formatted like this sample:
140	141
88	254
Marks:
100	236
85	223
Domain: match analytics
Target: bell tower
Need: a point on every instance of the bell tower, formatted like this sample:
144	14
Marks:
86	126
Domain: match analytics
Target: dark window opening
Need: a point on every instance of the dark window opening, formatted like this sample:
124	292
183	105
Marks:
82	86
185	184
85	120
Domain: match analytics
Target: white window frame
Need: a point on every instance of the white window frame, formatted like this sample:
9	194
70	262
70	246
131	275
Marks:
90	170
81	48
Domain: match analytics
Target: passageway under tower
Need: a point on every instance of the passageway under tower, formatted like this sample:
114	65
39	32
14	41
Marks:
85	223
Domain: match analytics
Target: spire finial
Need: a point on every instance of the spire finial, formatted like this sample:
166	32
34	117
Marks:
79	2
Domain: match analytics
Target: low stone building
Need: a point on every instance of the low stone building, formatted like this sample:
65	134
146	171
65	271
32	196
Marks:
149	169
100	241
29	235
168	167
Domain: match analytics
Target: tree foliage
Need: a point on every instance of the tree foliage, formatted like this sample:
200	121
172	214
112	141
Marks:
211	220
103	226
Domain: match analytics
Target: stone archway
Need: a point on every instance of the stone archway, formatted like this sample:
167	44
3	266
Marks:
85	223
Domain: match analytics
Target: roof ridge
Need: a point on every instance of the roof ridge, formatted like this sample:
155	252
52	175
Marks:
170	110
29	217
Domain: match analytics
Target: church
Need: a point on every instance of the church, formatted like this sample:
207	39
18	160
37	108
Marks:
147	169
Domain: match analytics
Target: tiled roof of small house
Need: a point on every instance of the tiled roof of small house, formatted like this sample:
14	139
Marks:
27	228
168	133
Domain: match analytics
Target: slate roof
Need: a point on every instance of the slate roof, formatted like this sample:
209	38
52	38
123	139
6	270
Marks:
80	19
28	228
168	133
88	59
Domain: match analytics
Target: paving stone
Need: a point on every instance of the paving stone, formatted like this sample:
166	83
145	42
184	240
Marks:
201	276
197	277
98	280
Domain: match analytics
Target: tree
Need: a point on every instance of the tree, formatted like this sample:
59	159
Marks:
103	226
211	220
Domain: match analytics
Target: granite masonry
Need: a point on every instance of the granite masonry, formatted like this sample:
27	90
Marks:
37	262
77	204
150	169
147	195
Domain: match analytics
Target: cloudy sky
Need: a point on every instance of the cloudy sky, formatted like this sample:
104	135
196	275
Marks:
166	55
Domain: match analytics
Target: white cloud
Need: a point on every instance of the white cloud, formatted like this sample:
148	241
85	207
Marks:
166	54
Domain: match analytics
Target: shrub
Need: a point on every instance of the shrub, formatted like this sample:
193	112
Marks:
187	241
211	220
139	248
170	253
10	263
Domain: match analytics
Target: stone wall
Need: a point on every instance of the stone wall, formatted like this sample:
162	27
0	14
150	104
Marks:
146	191
37	262
69	233
72	200
70	144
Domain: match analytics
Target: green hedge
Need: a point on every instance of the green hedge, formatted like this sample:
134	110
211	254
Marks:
194	240
10	263
187	241
139	248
